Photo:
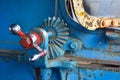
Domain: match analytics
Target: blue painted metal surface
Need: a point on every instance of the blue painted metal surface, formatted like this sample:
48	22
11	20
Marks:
93	41
31	14
87	74
28	14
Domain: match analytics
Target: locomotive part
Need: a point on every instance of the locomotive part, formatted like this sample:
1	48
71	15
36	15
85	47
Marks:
57	32
113	36
28	40
58	36
78	13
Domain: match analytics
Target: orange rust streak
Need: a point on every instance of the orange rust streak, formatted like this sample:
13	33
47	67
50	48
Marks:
108	22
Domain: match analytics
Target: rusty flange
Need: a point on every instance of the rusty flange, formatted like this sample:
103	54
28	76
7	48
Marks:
92	22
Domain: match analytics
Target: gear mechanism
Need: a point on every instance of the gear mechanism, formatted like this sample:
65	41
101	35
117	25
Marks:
58	35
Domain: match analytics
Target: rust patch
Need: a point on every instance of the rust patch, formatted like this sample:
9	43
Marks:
97	22
96	64
110	48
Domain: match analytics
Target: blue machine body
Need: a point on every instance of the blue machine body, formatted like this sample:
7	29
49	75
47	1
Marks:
32	13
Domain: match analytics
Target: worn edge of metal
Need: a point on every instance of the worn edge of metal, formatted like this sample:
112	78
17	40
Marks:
74	61
96	64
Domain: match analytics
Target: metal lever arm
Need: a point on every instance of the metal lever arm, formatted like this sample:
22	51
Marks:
41	53
27	41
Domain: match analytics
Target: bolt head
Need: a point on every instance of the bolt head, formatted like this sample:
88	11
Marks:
26	42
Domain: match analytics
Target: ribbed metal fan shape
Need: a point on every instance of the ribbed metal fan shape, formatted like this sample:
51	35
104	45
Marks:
60	34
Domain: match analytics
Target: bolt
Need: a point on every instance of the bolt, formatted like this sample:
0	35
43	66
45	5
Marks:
73	45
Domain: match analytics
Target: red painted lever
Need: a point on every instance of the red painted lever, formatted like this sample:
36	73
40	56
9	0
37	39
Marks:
28	41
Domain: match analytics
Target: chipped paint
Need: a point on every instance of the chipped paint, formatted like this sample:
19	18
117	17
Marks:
92	22
96	64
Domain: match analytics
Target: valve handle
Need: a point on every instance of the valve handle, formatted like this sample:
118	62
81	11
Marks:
37	56
28	41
